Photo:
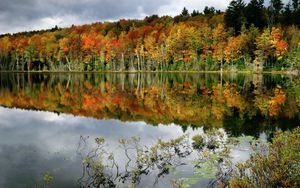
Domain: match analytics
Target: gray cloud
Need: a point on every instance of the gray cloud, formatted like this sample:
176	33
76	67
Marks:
20	15
17	15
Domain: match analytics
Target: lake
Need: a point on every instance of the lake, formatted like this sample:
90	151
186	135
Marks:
49	123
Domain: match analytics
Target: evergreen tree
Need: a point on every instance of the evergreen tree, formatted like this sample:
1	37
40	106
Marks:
208	11
195	13
185	12
296	5
255	13
287	15
234	15
274	9
296	12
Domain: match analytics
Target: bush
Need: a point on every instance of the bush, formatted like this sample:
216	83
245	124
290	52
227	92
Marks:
276	164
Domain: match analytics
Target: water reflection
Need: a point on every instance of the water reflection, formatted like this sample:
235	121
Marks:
33	143
116	106
235	102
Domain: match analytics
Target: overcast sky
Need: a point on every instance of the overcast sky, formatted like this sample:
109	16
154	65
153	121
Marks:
21	15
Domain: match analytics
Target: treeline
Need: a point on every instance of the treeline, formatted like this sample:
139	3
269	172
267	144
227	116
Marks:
244	37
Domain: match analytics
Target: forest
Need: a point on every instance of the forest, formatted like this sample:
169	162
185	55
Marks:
244	37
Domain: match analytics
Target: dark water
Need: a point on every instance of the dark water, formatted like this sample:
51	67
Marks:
43	116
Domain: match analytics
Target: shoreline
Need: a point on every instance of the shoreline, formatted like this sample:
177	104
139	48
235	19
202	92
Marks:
296	72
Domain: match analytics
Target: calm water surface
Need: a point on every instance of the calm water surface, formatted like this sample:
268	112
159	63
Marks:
43	118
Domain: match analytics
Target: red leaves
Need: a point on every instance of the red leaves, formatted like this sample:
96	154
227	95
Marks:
271	43
116	100
133	34
20	44
157	34
281	49
65	49
200	42
147	29
116	43
276	101
93	43
88	41
89	101
280	45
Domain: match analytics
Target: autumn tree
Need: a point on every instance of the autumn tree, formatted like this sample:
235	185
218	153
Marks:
93	45
202	41
233	50
51	45
184	46
151	51
19	45
270	47
219	43
64	52
5	50
279	44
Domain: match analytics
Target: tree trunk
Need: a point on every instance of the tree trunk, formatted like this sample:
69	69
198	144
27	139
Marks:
69	65
123	63
138	62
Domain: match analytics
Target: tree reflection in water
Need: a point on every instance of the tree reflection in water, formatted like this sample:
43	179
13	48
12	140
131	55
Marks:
234	102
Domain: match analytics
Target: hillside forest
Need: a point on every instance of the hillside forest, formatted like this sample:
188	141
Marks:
251	37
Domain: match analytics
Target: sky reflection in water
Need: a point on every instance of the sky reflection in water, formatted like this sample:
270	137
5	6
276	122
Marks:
34	142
